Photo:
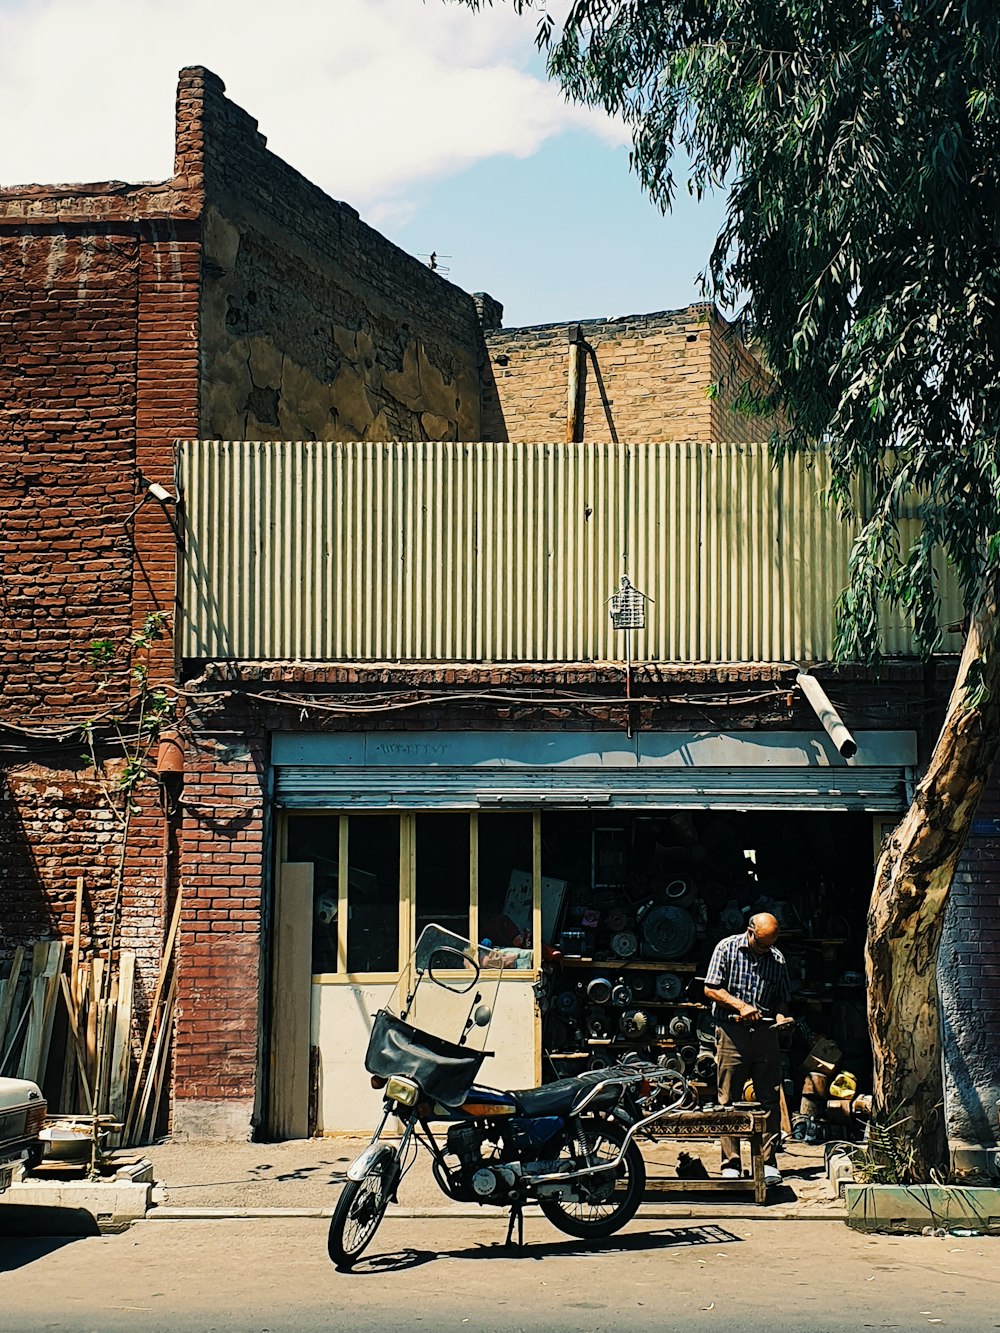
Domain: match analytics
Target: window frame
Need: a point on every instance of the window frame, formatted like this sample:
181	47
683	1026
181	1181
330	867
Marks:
407	888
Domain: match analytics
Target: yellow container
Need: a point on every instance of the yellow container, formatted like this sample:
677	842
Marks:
844	1085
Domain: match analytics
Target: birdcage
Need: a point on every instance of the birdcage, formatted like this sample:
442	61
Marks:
628	606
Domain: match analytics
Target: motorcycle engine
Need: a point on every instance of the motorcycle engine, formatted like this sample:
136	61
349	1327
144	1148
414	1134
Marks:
465	1142
481	1177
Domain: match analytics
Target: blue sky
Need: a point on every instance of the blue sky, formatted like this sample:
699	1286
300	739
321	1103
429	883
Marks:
437	124
564	234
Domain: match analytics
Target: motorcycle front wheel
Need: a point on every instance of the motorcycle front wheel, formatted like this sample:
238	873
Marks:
607	1201
358	1212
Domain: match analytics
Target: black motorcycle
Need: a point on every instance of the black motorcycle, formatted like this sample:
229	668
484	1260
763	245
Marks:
569	1146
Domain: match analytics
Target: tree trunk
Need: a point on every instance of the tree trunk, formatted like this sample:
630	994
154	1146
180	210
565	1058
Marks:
912	882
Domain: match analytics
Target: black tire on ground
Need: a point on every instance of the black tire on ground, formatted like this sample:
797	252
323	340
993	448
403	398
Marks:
359	1210
614	1201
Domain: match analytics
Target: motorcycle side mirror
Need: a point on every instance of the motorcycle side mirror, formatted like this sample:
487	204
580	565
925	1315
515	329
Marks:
447	959
482	1016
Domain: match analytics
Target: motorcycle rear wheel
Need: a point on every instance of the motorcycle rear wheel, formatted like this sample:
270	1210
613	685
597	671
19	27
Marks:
358	1212
613	1200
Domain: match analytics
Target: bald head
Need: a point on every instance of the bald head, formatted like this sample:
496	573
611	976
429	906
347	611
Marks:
763	931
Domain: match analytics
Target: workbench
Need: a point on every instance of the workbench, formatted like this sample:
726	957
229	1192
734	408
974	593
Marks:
685	1126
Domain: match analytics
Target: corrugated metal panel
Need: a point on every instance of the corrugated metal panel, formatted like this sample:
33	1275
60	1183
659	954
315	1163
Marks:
508	552
411	788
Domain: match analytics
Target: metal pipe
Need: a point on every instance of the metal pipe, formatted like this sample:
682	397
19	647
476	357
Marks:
576	346
831	720
611	1164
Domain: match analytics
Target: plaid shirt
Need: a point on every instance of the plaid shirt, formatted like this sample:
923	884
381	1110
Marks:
759	979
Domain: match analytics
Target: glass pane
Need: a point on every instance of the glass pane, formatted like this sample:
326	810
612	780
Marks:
373	893
505	879
316	838
442	872
567	877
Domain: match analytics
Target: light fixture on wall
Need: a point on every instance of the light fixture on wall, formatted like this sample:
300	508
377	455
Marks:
157	491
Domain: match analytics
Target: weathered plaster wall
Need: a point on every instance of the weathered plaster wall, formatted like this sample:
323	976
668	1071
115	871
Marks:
313	325
970	982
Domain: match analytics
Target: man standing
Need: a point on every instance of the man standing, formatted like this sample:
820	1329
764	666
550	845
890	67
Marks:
747	983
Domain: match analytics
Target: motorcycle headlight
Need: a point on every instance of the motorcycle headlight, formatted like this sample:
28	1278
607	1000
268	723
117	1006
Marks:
402	1090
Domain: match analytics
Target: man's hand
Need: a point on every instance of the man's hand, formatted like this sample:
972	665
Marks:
746	1013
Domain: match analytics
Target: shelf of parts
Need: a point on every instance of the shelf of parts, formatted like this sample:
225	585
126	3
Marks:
623	964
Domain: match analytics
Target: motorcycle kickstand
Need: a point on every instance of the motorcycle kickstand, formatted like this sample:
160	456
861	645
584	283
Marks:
516	1216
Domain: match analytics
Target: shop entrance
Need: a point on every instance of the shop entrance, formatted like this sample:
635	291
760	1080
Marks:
632	903
648	897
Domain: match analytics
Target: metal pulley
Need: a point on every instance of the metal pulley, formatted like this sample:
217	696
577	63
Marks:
680	1025
668	986
731	919
704	1066
599	990
598	1023
624	944
667	932
679	891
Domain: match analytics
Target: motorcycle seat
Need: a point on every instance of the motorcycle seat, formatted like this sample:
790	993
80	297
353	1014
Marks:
559	1098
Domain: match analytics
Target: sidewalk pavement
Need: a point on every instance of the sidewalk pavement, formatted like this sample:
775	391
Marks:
303	1176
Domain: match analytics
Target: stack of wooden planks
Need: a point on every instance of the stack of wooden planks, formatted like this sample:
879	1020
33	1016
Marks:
105	1068
28	1001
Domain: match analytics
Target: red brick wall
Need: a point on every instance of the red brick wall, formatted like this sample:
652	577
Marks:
68	314
222	851
99	305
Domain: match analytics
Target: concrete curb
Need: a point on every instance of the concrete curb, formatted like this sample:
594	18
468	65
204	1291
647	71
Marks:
916	1208
650	1213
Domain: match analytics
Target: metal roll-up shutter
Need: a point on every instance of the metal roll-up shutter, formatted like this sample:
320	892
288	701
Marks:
876	789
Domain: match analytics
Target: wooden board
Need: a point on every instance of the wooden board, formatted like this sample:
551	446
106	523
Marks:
121	1053
291	1010
8	992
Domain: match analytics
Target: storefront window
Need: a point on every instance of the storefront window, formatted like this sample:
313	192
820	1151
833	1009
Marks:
442	871
380	878
316	838
373	893
505	878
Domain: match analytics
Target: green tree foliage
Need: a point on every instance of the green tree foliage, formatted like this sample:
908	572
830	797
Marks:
859	145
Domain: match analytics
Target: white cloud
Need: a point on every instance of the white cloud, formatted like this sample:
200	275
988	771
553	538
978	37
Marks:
366	97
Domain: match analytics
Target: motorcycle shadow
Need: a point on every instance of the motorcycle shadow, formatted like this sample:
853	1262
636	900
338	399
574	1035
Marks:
672	1238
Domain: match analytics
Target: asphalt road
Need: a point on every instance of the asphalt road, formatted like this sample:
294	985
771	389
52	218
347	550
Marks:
269	1275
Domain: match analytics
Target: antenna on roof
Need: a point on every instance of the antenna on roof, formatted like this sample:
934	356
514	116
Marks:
434	264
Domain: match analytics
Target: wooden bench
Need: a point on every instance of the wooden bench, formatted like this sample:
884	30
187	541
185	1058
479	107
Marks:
683	1126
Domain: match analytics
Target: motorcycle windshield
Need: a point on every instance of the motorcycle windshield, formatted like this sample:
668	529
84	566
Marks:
449	988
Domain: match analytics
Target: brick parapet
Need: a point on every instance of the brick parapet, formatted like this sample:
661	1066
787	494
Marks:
315	325
644	378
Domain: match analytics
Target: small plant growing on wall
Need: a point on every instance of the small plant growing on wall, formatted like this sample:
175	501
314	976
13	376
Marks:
127	732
